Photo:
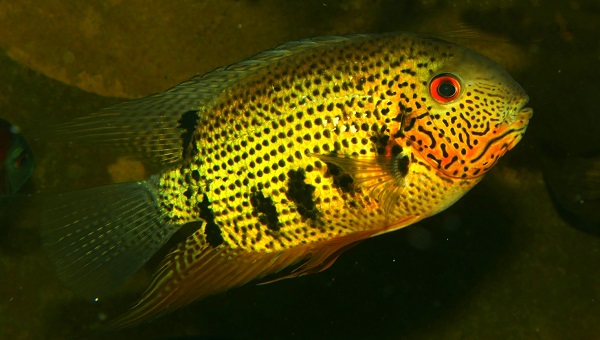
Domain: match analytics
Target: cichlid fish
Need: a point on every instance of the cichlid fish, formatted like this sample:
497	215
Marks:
280	162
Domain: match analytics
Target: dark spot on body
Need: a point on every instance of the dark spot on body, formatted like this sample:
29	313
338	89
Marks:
265	208
341	180
196	175
189	123
212	231
301	194
401	166
381	141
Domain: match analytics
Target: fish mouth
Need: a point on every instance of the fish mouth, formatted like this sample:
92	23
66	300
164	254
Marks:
522	116
525	113
517	125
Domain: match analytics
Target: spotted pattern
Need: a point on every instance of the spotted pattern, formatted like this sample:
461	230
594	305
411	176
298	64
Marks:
469	136
336	139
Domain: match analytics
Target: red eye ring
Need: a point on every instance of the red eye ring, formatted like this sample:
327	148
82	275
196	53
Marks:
444	88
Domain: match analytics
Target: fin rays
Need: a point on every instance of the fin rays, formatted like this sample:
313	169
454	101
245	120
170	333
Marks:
373	175
99	237
214	270
149	128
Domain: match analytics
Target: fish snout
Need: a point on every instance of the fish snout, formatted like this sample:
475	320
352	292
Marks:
525	113
522	117
521	114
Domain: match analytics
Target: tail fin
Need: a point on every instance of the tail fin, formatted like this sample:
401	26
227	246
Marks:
99	237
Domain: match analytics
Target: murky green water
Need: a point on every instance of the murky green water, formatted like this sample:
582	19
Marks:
501	263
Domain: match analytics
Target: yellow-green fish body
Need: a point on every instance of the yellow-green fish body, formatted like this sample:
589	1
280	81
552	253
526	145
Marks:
282	161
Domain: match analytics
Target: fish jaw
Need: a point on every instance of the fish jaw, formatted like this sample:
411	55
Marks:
520	118
519	122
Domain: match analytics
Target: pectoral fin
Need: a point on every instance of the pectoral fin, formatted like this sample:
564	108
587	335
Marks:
382	177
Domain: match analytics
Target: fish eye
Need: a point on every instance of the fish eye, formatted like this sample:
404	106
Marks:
444	88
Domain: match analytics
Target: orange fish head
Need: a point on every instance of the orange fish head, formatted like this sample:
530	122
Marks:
471	112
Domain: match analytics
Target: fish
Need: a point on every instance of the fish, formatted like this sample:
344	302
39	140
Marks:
16	159
277	164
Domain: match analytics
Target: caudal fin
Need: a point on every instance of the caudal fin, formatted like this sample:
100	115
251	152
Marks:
98	238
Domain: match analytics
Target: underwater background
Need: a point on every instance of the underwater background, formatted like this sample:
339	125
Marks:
517	257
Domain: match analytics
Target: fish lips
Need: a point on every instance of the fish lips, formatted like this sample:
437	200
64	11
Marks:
521	117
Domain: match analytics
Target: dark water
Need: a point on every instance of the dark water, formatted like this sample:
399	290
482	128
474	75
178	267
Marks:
501	263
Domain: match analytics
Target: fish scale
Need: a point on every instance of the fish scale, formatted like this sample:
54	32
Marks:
283	161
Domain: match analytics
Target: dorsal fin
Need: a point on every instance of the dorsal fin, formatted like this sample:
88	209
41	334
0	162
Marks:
154	127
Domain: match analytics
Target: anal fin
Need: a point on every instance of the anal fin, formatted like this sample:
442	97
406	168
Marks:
195	270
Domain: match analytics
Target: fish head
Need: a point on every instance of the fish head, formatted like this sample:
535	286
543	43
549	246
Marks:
473	113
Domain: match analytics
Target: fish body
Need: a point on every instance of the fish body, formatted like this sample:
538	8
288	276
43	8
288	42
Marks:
280	162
